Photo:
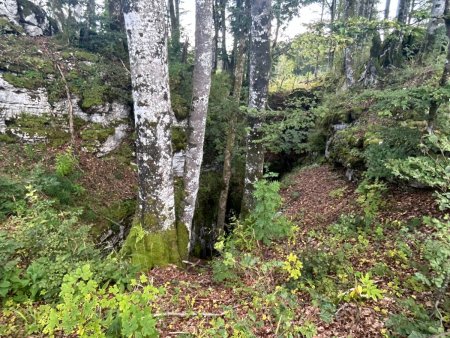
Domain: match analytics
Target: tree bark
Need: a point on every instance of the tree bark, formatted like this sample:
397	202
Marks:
403	11
145	22
436	20
349	12
223	32
444	81
231	134
386	9
200	96
259	83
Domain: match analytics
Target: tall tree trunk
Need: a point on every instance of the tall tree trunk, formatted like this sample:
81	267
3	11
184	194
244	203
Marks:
259	83
349	12
145	22
231	133
436	20
403	11
444	81
316	67
277	31
223	32
386	9
200	96
216	19
331	47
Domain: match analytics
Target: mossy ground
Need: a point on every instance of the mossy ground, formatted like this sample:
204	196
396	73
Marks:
31	64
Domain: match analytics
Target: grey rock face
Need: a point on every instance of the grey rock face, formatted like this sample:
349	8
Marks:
8	10
15	102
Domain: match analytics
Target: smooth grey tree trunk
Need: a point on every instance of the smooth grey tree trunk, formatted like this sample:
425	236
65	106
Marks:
436	21
386	9
403	11
259	85
204	33
145	22
349	12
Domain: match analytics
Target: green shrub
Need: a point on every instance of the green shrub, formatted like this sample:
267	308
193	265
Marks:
66	163
10	193
413	321
389	144
87	310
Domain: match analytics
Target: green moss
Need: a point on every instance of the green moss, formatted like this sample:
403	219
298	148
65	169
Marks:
347	147
149	249
96	132
29	80
8	138
179	139
44	126
93	96
180	106
7	27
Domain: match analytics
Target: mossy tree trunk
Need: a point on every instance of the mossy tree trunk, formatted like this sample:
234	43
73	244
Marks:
259	85
154	239
231	132
444	81
201	83
349	73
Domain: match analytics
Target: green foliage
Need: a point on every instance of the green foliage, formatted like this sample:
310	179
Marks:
387	144
371	198
287	131
364	289
12	281
293	267
10	193
436	251
52	243
265	222
431	169
414	321
88	310
65	163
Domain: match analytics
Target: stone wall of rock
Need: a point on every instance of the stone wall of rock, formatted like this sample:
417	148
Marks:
15	103
45	17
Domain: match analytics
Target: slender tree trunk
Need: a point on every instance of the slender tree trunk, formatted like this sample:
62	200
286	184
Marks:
386	9
259	83
349	12
200	96
331	47
411	10
277	32
444	81
145	22
436	20
223	32
316	67
231	133
216	19
403	11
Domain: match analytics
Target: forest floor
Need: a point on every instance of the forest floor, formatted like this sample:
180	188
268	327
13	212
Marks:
314	199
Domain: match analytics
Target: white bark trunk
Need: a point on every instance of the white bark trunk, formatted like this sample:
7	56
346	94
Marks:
204	33
436	20
147	42
259	85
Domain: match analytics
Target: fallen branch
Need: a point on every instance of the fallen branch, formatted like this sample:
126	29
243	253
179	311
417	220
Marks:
69	104
189	314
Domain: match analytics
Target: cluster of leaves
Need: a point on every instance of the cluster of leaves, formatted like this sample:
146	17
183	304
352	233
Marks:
86	309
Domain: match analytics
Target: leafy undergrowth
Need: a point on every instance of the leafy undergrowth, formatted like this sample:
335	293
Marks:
336	277
341	261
